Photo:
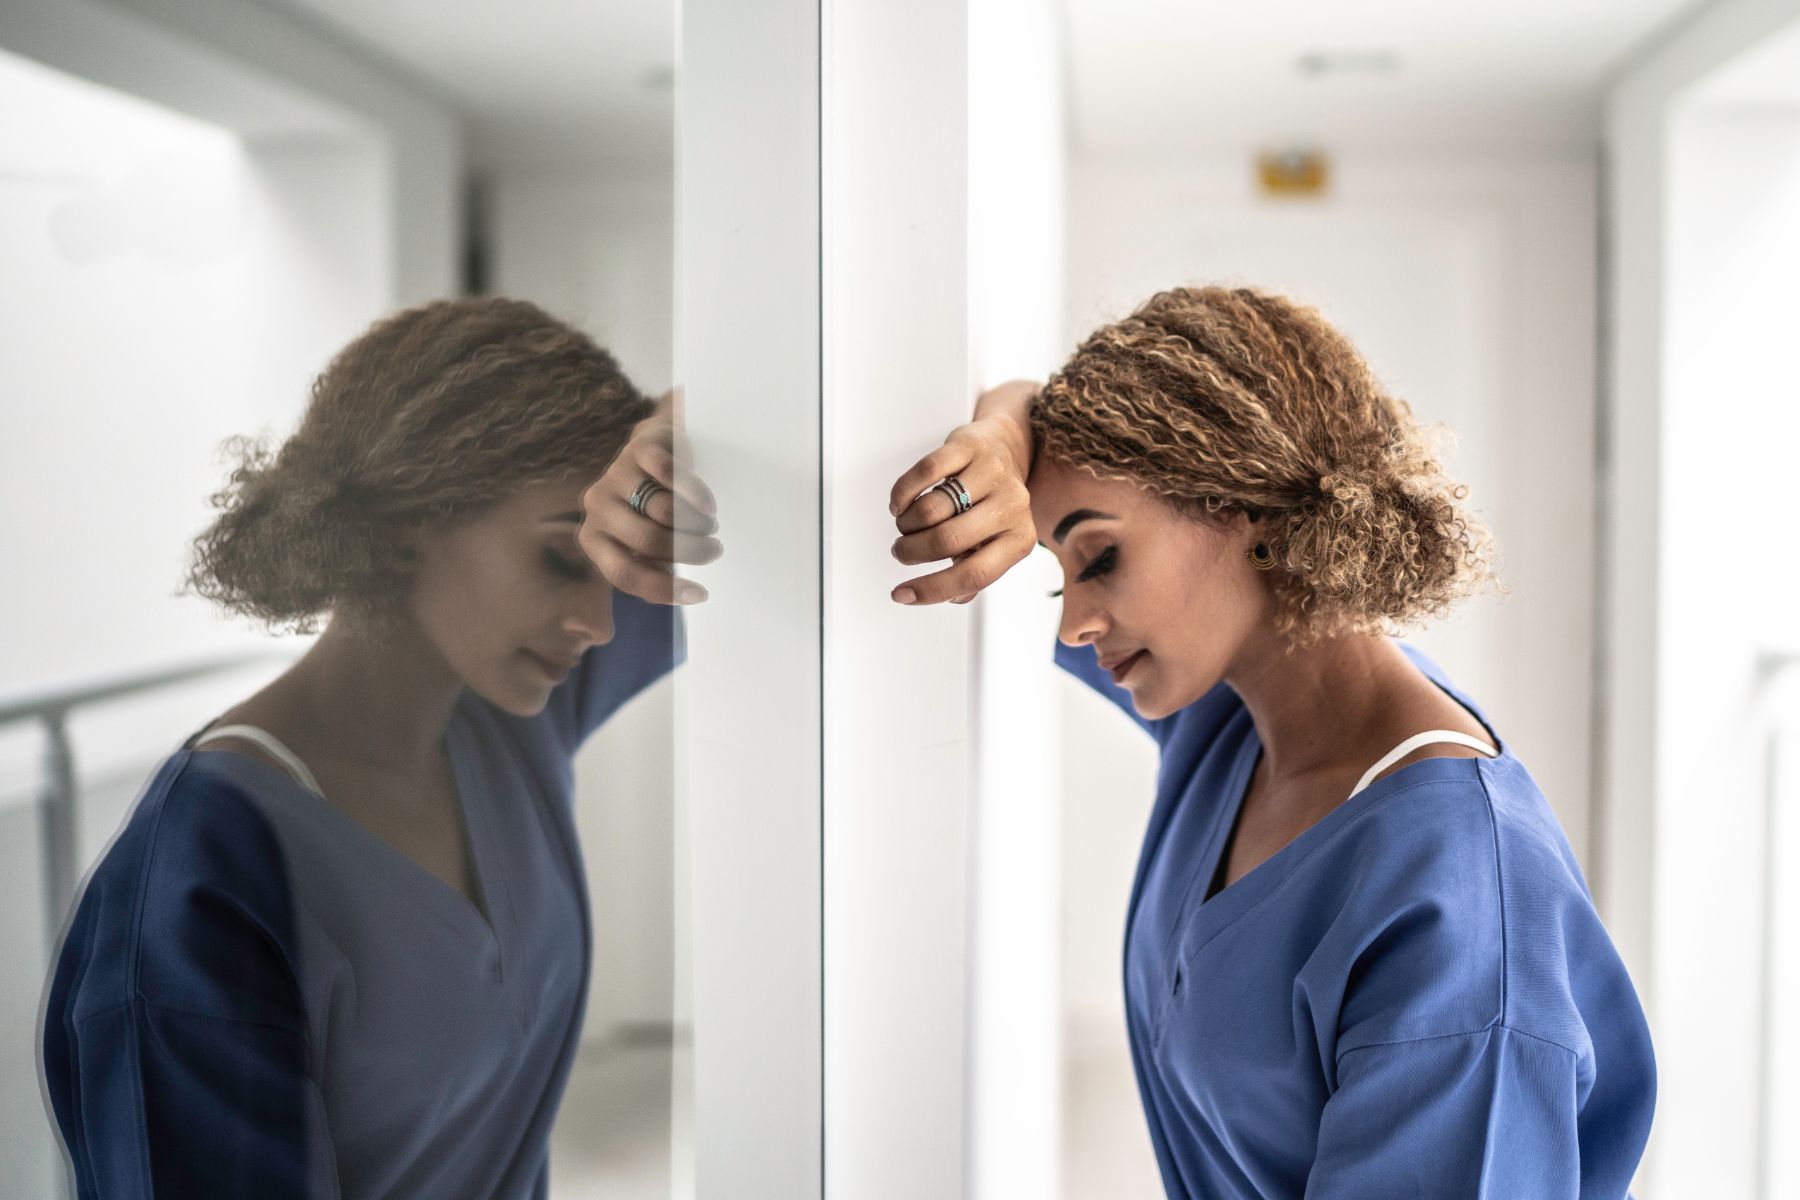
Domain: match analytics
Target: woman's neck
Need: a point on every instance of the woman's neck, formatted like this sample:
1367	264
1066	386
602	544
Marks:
378	702
1322	705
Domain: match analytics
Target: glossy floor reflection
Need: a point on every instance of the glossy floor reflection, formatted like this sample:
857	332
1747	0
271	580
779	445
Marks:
617	1127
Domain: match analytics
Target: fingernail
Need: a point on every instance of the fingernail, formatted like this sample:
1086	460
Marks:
690	593
905	595
893	508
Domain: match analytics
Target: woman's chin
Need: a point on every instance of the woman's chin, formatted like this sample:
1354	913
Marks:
515	698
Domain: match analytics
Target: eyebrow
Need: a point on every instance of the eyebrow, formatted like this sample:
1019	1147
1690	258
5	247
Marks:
1075	518
568	516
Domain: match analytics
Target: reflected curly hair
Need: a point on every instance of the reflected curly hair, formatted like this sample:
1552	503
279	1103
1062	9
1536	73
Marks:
1225	401
430	416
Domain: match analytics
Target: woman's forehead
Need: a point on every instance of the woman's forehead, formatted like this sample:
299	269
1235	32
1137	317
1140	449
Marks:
1058	486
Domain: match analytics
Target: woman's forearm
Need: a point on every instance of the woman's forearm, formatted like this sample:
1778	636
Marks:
1011	402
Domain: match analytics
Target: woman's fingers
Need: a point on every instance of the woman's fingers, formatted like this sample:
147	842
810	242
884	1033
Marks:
649	536
984	540
667	508
637	551
972	573
960	533
983	479
656	459
664	507
641	578
951	458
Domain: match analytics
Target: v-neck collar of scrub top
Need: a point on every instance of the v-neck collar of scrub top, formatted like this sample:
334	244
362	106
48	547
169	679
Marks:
1197	925
460	916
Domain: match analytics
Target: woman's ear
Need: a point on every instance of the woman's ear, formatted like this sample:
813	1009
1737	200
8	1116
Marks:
409	547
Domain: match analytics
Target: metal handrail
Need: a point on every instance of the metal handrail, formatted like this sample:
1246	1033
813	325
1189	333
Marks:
1772	672
59	799
59	701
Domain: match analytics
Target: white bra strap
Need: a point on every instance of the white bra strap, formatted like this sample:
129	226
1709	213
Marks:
1430	737
267	741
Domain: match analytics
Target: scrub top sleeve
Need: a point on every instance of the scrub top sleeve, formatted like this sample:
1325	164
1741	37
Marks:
649	640
176	1051
1487	1114
174	1104
1083	663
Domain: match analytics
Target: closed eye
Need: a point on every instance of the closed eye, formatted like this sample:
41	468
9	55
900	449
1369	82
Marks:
573	571
1103	562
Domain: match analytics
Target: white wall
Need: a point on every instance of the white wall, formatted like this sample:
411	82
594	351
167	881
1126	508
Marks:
258	70
190	248
1701	241
597	249
168	285
1729	431
1705	135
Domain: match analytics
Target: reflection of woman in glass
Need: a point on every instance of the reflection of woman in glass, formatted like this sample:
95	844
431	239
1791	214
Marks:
341	946
1360	958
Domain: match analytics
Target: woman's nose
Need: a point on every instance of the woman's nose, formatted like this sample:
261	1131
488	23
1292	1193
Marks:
592	621
1080	624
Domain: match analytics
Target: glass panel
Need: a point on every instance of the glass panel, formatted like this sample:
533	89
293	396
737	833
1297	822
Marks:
423	925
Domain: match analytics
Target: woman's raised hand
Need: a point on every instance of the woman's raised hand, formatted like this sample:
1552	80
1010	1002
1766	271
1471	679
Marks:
637	551
991	457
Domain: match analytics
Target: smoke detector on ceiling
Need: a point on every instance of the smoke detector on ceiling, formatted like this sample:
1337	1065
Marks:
1325	64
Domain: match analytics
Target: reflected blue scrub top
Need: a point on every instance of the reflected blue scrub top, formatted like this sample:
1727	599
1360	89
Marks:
257	997
1413	998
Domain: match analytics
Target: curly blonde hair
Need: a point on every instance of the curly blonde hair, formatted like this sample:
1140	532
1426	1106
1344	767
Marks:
1226	401
428	417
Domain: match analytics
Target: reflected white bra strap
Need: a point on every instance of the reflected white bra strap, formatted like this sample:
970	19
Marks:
1430	737
267	741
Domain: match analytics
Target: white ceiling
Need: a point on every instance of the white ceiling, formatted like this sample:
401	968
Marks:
574	82
1192	74
542	83
1765	77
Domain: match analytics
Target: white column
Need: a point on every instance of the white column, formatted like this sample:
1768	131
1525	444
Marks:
898	711
1016	184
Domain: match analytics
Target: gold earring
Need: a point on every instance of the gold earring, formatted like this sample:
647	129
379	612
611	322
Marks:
1260	556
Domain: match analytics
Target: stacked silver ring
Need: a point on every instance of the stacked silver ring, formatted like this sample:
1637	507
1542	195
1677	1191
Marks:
640	498
958	494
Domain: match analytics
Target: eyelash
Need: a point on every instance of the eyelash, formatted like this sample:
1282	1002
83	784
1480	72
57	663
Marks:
563	567
1103	562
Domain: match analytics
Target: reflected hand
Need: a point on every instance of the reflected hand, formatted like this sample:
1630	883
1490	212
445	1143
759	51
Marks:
991	456
637	552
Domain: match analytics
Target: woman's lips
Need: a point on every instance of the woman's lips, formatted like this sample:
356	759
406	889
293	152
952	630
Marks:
1119	672
557	671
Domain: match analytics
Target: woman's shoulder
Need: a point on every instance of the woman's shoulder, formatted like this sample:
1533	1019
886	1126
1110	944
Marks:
194	887
1461	825
1464	906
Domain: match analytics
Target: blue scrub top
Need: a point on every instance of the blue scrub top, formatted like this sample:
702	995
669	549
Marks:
256	996
1413	998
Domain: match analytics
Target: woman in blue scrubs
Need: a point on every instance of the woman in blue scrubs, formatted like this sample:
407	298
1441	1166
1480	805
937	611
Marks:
340	947
1360	957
